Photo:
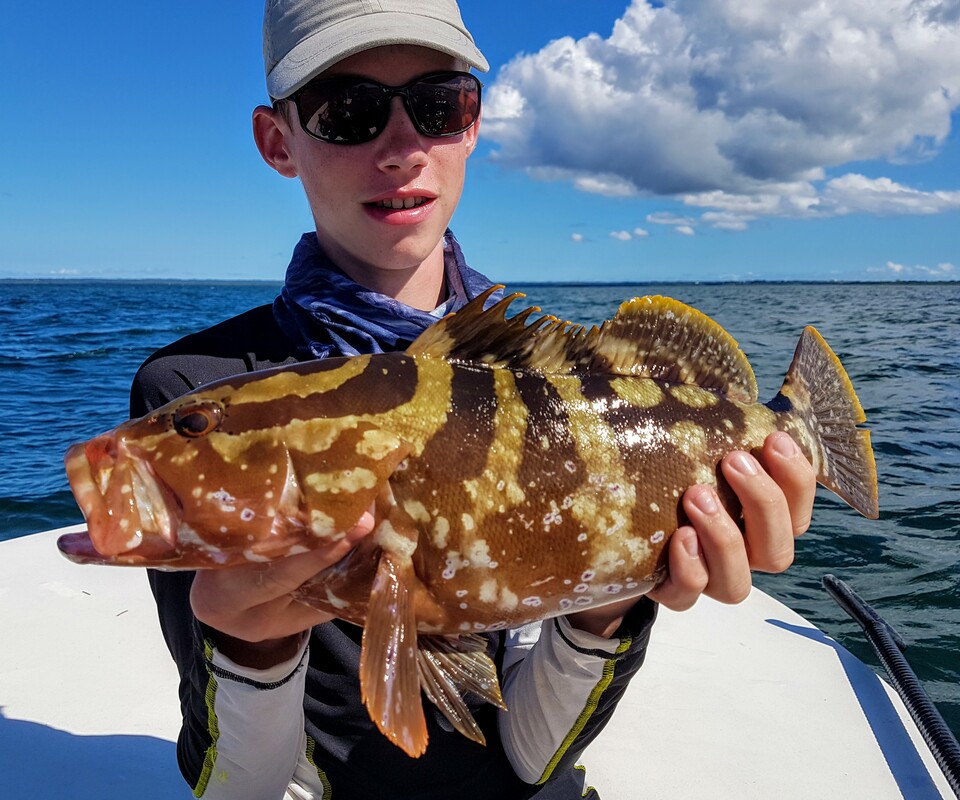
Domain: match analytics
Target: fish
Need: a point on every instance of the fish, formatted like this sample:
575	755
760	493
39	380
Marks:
518	470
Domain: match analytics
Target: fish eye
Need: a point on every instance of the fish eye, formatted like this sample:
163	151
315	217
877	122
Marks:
197	419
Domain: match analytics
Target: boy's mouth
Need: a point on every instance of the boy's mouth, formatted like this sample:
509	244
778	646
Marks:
397	203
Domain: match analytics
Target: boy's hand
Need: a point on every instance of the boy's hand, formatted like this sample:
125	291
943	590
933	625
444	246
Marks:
250	606
711	555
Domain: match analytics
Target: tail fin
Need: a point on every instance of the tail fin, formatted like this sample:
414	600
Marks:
820	391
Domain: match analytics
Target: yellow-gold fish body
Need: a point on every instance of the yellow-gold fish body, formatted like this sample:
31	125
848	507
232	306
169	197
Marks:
518	471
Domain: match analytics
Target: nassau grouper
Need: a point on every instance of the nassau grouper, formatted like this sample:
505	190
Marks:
518	472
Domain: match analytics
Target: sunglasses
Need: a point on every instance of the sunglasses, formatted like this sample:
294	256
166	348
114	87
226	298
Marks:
354	110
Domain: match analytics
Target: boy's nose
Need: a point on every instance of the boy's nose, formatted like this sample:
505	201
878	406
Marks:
401	145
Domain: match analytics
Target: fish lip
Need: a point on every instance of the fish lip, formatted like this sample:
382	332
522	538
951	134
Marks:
99	472
87	493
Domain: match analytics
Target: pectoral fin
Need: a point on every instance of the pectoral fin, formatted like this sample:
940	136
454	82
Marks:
389	680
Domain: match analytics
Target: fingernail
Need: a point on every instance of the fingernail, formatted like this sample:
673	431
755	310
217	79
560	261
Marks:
784	445
706	501
744	464
691	545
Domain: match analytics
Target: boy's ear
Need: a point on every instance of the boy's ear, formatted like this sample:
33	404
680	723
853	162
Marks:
271	132
473	134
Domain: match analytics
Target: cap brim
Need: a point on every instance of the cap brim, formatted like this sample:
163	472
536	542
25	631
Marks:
322	50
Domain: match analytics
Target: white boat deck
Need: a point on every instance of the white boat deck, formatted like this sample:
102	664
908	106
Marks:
743	702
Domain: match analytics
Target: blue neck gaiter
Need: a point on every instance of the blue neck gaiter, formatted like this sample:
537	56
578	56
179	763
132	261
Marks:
327	314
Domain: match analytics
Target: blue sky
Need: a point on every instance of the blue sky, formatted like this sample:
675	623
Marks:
687	140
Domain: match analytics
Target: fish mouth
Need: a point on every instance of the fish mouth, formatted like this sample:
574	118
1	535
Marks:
122	499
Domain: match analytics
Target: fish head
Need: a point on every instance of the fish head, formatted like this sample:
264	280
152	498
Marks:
175	486
252	468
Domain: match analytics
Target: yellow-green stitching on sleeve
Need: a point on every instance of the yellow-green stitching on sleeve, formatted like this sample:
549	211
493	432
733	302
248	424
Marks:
587	788
327	789
591	705
213	728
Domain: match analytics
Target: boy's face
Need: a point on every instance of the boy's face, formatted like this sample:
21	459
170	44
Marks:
347	185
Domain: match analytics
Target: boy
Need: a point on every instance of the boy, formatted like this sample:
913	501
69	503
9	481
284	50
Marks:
374	111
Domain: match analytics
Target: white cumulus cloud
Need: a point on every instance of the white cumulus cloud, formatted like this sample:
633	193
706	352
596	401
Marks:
739	106
892	269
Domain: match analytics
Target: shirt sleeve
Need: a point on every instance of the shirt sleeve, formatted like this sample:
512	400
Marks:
256	724
561	685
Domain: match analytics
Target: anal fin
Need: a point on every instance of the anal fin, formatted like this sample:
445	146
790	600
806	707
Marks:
452	665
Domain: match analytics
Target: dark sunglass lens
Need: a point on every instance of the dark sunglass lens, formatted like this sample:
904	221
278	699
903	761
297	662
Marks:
343	112
445	105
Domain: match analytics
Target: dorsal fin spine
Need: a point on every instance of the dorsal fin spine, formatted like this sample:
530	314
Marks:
654	337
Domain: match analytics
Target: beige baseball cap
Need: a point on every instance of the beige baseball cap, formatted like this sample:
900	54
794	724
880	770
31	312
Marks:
301	38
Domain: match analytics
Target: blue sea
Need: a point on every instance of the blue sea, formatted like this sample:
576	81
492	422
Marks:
68	350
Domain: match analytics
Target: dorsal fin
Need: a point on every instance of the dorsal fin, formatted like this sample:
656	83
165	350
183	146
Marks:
651	337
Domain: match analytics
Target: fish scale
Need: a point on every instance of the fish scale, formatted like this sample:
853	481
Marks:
518	470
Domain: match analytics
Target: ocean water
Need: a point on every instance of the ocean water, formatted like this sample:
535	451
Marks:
68	350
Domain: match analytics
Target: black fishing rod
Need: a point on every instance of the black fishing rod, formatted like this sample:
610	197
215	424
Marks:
889	647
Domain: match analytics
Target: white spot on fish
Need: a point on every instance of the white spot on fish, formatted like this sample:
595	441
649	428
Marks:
583	601
322	525
508	600
462	593
553	517
336	602
657	537
464	605
441	529
453	563
565	603
467	521
639	550
387	537
706	475
417	511
533	601
247	514
613	588
569	466
580	588
582	537
224	498
342	480
377	444
479	553
654	508
588	576
488	591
